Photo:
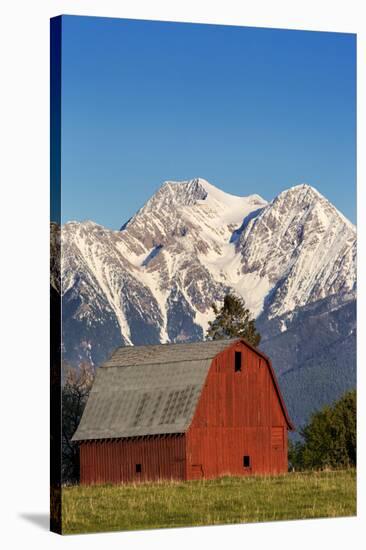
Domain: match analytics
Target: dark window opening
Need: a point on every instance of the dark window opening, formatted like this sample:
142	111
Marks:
246	461
138	468
237	361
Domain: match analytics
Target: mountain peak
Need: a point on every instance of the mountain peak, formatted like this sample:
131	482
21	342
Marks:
302	192
193	191
227	199
178	193
195	198
306	197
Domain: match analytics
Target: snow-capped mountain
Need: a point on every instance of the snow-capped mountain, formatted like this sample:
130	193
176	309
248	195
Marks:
303	247
156	278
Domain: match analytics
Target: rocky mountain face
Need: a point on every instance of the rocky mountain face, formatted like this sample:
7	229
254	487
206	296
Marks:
315	357
293	260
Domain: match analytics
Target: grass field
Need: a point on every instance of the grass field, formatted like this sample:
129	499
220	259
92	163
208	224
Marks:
220	501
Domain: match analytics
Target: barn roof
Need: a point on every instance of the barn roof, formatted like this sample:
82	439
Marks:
126	356
149	390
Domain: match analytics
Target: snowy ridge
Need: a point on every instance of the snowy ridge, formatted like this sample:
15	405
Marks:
308	245
157	277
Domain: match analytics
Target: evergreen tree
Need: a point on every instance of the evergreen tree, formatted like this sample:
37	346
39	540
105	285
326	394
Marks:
233	320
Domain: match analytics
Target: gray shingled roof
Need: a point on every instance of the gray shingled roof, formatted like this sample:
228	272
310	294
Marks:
166	353
146	390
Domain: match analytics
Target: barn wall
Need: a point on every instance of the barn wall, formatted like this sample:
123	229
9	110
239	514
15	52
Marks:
238	414
114	460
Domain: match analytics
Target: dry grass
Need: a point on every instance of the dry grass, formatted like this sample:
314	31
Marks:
209	502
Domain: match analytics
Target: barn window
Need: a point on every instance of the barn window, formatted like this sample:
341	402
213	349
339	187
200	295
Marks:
237	361
246	461
138	468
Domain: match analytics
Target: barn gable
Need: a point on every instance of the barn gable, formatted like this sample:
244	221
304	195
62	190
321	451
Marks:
150	390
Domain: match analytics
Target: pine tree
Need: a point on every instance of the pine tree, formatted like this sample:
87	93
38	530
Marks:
233	320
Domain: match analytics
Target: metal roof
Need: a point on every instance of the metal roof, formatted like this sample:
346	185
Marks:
147	390
166	353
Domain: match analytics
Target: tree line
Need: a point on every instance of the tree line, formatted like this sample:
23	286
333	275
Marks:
75	392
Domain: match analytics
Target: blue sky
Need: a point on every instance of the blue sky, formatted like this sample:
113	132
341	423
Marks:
251	110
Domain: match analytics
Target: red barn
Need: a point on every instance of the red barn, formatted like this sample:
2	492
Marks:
183	411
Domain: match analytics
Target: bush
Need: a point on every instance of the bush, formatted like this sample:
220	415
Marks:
75	393
329	440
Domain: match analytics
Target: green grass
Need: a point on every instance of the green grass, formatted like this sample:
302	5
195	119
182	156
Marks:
209	502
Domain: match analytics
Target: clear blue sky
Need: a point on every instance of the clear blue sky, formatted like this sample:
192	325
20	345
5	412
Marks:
251	110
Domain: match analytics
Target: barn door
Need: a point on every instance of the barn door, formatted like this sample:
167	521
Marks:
277	438
196	471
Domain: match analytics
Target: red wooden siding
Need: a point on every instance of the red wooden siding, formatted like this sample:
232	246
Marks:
114	460
239	414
